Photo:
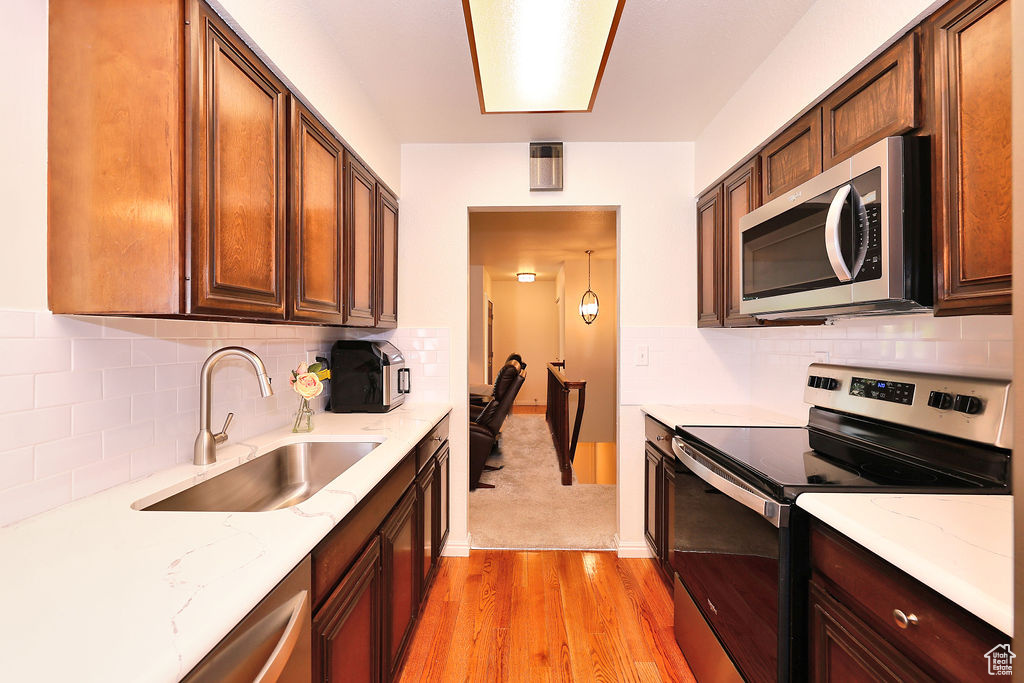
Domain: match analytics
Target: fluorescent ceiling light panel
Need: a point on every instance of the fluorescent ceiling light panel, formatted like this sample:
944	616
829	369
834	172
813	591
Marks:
526	277
539	55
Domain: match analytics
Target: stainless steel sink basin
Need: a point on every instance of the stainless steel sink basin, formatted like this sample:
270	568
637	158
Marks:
284	477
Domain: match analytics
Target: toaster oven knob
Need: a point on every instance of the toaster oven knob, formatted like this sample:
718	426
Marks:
940	400
967	404
829	383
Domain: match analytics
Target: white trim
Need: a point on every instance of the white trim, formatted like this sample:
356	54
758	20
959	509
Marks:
628	549
453	549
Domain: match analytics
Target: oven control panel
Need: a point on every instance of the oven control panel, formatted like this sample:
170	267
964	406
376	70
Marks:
974	408
883	390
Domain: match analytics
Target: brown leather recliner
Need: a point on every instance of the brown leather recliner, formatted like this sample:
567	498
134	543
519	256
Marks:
483	430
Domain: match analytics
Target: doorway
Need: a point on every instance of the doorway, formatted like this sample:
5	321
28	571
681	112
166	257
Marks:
548	479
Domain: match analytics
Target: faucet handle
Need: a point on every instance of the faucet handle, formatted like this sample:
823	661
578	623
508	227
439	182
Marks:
222	435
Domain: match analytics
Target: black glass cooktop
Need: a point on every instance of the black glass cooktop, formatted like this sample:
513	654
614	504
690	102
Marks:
786	461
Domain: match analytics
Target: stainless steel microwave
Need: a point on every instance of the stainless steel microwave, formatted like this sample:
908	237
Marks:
853	240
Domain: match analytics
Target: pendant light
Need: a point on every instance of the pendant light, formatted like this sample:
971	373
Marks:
589	303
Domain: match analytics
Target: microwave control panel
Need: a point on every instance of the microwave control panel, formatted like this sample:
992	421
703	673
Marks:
883	390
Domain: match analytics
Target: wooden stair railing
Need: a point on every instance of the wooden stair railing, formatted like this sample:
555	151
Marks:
557	416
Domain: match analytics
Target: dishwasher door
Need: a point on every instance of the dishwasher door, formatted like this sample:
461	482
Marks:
273	642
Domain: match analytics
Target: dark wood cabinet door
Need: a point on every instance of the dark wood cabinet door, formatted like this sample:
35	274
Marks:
667	512
316	231
348	626
361	285
972	208
441	500
652	497
238	173
426	511
399	559
709	259
741	195
793	157
880	101
387	255
844	649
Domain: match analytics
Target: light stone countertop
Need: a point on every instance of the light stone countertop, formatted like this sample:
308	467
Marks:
708	415
97	591
960	546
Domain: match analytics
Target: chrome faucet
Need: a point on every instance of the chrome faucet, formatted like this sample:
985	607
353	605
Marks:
205	451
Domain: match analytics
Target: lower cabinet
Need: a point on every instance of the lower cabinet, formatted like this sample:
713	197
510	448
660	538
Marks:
443	476
398	557
868	620
426	512
347	626
659	494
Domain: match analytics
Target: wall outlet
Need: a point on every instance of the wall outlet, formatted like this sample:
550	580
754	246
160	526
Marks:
642	354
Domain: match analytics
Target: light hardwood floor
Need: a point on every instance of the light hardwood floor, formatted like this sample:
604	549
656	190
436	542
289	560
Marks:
502	615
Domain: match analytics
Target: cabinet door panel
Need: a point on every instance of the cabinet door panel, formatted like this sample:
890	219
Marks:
881	100
238	232
362	237
709	259
972	70
317	221
425	513
442	500
652	497
742	194
399	559
387	216
348	625
793	157
667	509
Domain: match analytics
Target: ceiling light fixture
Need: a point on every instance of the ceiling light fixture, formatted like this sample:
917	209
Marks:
589	303
526	277
535	56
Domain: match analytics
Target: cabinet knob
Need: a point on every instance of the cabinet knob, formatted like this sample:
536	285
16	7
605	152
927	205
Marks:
904	620
437	438
661	437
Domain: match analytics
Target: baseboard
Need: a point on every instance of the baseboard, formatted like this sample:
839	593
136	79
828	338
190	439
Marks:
632	549
453	549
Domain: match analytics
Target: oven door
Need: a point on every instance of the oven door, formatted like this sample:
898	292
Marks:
726	550
827	243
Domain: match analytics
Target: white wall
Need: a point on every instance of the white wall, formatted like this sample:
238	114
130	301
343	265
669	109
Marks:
829	42
526	322
651	182
477	326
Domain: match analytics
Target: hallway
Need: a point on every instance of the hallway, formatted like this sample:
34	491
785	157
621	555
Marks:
546	616
529	508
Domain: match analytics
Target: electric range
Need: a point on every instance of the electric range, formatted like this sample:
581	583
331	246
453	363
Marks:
740	543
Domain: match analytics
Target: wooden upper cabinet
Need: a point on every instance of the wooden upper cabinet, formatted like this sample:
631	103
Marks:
880	101
387	255
360	283
972	207
316	220
238	173
115	157
709	258
793	157
742	194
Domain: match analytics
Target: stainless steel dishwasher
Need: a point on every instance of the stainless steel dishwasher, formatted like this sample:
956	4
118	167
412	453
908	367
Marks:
272	643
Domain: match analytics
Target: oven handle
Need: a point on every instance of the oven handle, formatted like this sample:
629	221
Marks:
833	246
729	485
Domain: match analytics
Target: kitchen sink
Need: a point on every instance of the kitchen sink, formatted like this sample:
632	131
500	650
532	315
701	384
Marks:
284	477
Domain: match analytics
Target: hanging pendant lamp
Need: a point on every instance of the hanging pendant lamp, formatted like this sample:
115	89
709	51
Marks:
589	303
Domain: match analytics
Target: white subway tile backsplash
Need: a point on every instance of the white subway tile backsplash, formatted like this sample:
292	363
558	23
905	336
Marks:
21	356
127	439
99	476
32	426
95	416
92	354
38	496
18	324
66	388
127	328
17	392
66	326
16	467
148	352
128	381
65	455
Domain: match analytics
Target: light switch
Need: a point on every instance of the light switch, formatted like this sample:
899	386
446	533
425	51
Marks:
642	354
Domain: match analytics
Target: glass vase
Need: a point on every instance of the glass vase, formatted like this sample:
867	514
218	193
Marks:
304	417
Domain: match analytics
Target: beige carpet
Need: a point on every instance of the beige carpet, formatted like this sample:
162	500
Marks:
529	508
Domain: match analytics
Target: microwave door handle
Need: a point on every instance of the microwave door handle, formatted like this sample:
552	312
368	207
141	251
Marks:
766	507
833	246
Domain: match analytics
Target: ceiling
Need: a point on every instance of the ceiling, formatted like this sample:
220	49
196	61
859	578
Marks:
507	242
673	65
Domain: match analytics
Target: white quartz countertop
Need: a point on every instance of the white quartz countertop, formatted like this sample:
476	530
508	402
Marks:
960	546
97	591
719	416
